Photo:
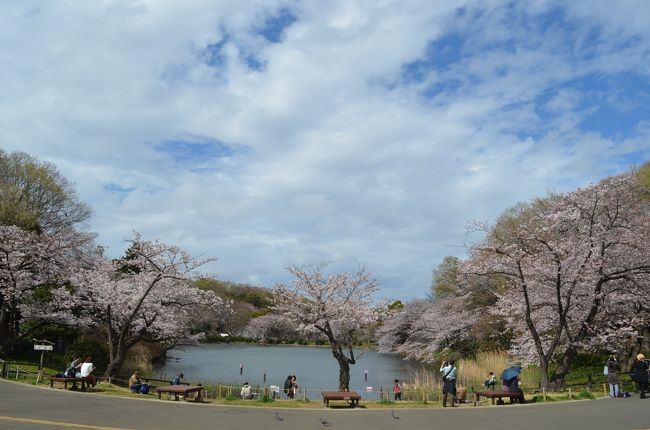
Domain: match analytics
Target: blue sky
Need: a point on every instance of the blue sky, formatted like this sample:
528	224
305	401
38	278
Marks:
269	133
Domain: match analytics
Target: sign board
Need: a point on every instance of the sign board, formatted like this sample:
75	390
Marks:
43	348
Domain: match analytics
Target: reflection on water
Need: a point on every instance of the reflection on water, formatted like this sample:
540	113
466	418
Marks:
315	368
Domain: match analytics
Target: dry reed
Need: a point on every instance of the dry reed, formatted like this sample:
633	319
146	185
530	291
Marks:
470	372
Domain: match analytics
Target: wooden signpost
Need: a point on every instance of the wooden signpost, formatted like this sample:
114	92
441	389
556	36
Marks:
43	346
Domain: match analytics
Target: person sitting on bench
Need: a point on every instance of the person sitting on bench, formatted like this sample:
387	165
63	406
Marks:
86	371
512	385
73	369
491	381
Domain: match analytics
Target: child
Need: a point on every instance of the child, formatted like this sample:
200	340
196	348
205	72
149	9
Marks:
398	390
491	381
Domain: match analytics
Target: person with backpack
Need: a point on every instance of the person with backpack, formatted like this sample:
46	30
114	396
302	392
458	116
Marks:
449	374
639	374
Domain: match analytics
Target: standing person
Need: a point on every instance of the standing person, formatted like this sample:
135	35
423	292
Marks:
449	373
613	367
294	386
287	388
639	374
398	390
86	371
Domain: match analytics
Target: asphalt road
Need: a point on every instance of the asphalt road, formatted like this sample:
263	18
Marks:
24	407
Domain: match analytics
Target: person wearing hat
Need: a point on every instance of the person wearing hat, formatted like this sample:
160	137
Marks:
639	374
246	391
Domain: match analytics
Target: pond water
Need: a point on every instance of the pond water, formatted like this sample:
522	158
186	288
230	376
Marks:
314	367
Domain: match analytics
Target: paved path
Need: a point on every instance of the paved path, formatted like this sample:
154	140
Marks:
24	407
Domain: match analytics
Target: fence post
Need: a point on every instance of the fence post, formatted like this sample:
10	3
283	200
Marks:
544	393
570	397
604	390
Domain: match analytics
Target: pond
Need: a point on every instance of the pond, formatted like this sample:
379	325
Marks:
315	367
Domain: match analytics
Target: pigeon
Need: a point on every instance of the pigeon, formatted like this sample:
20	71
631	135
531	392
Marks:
394	415
278	417
324	422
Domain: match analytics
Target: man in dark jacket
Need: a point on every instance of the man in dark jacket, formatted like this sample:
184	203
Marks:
640	374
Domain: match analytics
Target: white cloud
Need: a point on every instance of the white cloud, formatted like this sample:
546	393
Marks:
337	157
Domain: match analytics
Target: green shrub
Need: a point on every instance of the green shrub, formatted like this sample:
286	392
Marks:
86	346
585	394
265	399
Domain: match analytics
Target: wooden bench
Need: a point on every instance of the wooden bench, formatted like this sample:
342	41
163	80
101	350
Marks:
184	390
65	381
352	397
495	395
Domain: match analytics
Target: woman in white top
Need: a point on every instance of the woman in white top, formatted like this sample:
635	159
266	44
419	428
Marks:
86	372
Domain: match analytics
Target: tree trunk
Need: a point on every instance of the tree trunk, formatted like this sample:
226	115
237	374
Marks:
116	349
557	380
4	325
116	360
543	373
344	364
344	372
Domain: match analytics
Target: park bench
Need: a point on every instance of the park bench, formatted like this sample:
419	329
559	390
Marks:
183	390
495	395
352	397
66	379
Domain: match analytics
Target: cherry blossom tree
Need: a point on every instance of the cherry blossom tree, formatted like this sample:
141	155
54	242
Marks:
271	328
397	326
145	297
336	305
561	259
34	273
429	331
